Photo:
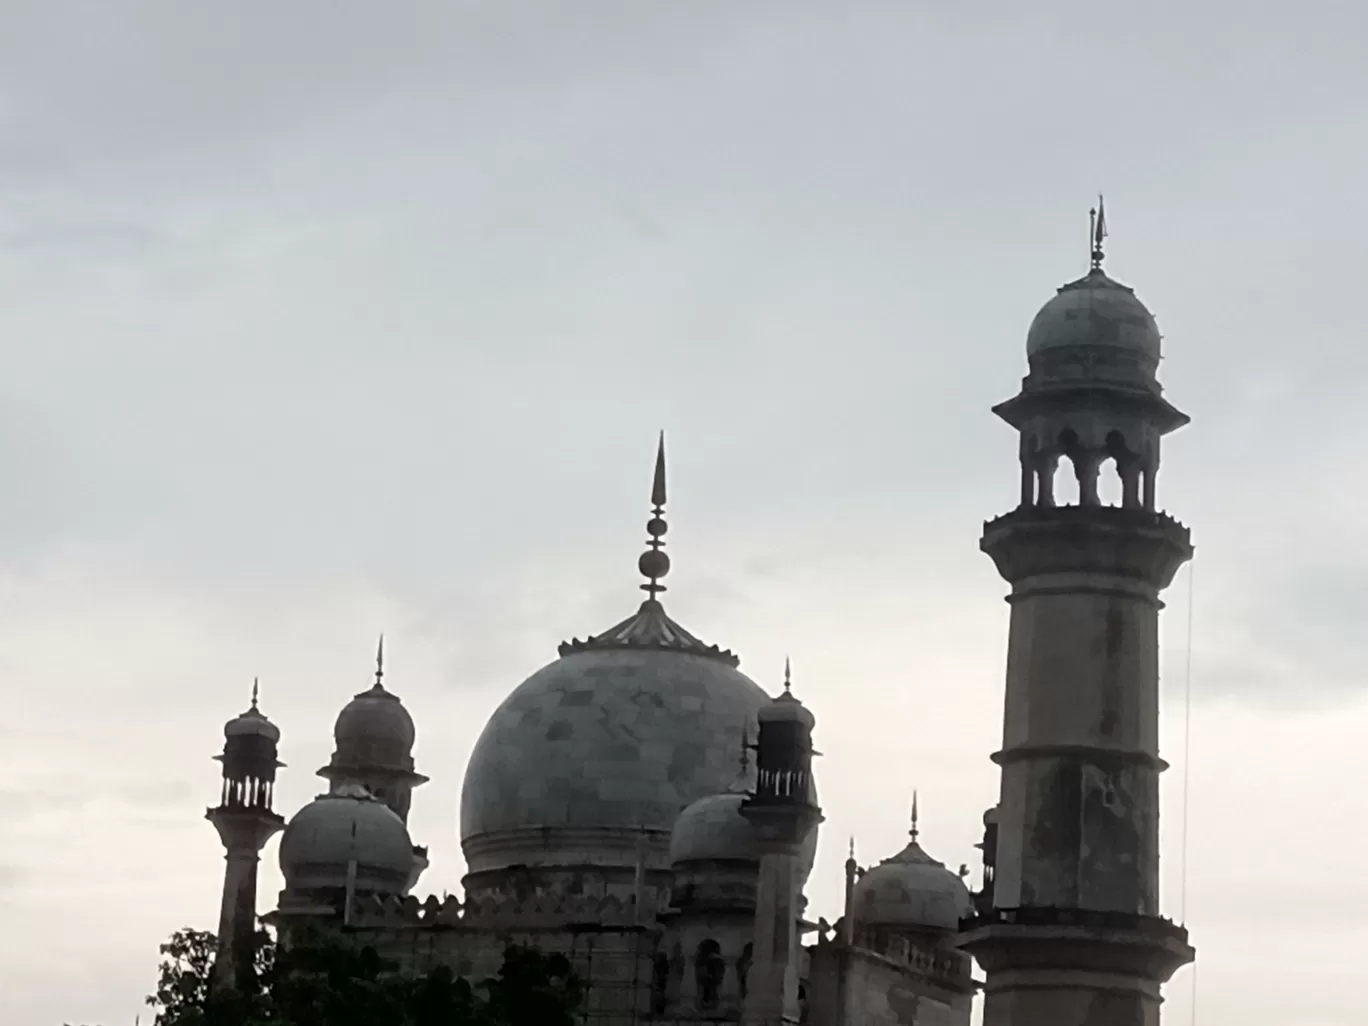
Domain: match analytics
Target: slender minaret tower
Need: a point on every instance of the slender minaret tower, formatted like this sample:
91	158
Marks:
783	812
245	822
1072	935
375	736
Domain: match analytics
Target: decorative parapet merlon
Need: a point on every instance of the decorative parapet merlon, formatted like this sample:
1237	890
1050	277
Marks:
537	912
649	628
1037	915
1111	516
951	969
1036	939
1130	543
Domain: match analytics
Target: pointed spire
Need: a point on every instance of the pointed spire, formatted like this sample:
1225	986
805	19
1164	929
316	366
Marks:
852	848
913	832
788	676
654	563
380	661
1097	231
256	692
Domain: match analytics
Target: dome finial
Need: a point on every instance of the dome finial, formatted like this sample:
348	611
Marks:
654	563
914	831
256	691
745	750
1097	231
788	676
380	661
852	847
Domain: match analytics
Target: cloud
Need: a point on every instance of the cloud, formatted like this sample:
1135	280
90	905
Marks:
323	320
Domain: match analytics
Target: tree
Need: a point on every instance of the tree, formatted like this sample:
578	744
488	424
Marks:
318	981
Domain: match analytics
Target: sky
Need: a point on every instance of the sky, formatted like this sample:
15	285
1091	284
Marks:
324	319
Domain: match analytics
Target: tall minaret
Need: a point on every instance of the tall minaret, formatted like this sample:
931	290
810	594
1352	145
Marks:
783	810
1073	933
245	822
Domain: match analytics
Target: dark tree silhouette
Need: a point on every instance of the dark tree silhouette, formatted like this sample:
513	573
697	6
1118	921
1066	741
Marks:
322	982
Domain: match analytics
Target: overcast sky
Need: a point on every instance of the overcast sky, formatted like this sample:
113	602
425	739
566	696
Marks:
326	318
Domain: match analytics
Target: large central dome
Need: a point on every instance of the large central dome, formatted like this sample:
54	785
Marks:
619	737
592	758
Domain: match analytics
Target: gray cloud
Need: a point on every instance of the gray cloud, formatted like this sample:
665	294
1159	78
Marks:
324	319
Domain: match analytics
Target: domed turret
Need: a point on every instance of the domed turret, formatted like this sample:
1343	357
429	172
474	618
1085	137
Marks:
374	734
912	891
347	825
1091	398
602	749
1095	313
245	821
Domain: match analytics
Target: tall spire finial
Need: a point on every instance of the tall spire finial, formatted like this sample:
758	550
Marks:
654	563
256	691
380	661
913	832
1097	231
852	847
788	676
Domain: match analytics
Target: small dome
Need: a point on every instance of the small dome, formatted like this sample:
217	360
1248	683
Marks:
251	723
345	826
374	728
911	889
786	709
1095	311
713	828
616	738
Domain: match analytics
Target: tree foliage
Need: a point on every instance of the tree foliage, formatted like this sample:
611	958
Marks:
323	982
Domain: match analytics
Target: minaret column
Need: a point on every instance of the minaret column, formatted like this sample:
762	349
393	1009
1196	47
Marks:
245	822
1068	928
783	812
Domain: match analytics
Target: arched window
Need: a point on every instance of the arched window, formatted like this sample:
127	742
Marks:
1109	490
709	972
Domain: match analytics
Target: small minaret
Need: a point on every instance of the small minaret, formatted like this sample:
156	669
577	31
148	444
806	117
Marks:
1072	934
374	738
783	812
245	822
852	869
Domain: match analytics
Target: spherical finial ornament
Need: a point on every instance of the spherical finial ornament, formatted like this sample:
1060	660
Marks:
653	564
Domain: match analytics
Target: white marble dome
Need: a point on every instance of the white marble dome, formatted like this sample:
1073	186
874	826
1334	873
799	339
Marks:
336	829
1095	311
911	889
374	728
713	829
621	733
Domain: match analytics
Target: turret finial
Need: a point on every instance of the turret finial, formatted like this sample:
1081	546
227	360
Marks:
1097	231
654	563
788	676
380	661
256	691
913	832
852	847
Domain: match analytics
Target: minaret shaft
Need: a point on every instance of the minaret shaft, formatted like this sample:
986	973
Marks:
1078	819
1075	922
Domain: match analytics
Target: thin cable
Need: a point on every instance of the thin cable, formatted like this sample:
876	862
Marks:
1187	751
